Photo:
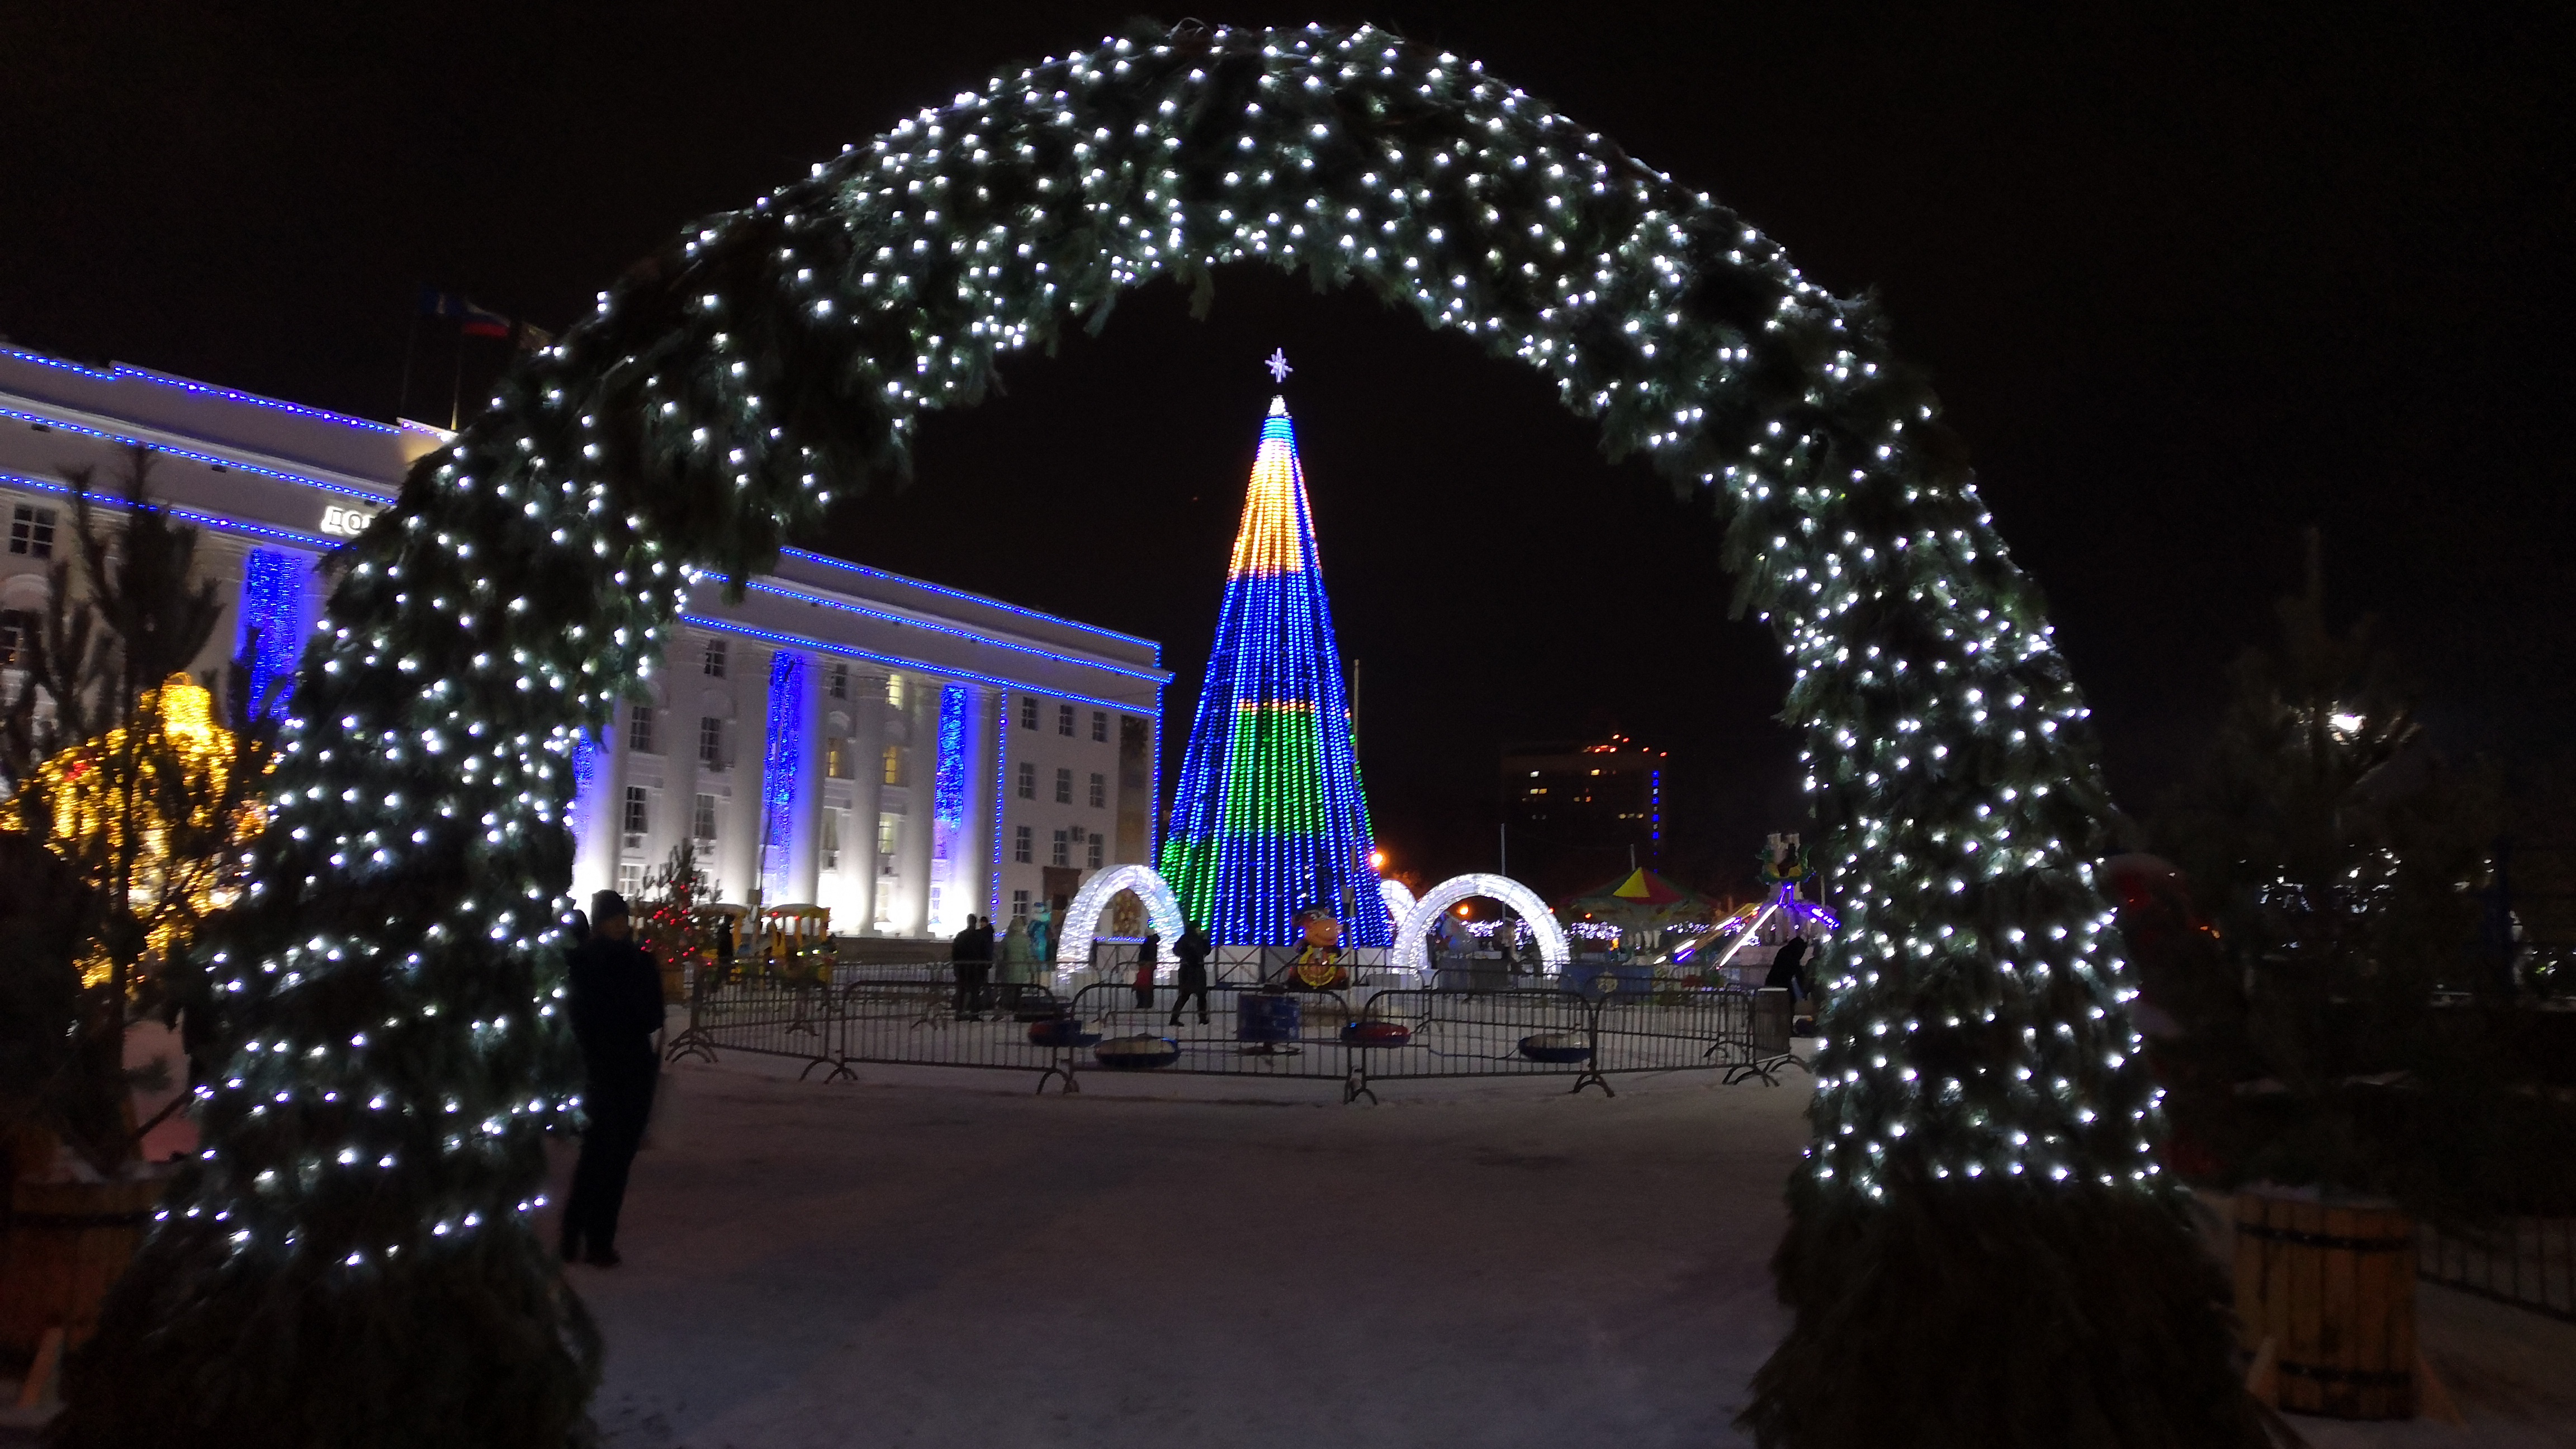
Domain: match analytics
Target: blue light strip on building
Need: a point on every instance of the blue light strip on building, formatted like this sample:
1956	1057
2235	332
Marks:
917	666
585	768
378	496
1001	708
184	515
277	603
962	595
948	798
1150	676
123	372
778	768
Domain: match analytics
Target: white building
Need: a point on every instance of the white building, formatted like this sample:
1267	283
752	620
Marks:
898	751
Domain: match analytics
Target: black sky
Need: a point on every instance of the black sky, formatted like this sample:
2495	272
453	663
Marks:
2187	280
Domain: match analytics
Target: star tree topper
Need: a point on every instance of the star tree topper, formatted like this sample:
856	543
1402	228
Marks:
1278	365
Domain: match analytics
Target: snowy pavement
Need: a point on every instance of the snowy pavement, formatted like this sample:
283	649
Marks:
945	1259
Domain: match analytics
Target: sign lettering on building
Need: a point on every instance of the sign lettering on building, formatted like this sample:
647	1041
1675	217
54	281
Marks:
340	521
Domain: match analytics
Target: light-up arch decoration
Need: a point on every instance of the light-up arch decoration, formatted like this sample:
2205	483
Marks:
726	387
1397	896
1082	918
1410	954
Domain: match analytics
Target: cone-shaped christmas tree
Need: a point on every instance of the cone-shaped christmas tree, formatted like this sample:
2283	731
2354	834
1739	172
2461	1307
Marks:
1270	819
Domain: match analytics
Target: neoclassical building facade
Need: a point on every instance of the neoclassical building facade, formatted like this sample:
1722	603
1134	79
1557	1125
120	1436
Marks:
898	751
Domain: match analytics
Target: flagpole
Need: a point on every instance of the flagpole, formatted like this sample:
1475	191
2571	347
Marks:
411	346
456	388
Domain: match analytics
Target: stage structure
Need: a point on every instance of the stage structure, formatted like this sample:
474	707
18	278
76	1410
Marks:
1270	818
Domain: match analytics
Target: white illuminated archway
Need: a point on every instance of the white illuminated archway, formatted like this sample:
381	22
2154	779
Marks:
1398	898
1082	918
1409	954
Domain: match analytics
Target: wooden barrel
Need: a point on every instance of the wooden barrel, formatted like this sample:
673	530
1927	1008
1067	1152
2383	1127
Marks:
65	1243
2330	1281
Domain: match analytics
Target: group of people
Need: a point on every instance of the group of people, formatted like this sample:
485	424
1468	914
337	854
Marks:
971	955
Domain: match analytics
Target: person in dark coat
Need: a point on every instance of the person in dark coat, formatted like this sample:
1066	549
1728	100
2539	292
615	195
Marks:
1789	968
616	1007
970	956
1149	959
1191	953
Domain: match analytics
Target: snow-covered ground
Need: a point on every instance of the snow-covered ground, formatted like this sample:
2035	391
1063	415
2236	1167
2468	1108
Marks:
928	1259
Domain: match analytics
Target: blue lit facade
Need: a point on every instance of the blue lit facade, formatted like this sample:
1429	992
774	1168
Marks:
1270	818
845	746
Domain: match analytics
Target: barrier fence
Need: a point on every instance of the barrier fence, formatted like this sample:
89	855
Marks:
1356	1037
2529	1262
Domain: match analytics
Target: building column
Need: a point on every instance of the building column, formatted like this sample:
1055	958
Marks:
985	789
805	817
921	789
867	794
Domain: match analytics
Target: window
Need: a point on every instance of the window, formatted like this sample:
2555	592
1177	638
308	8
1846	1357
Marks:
1021	848
711	750
1099	791
1028	713
713	660
702	821
889	830
1095	849
1061	853
1063	788
894	764
831	840
630	878
639	811
1028	780
1100	726
836	758
31	531
1064	720
18	632
895	690
1019	905
839	681
639	729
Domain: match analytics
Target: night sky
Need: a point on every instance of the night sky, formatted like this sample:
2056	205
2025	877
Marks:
2187	284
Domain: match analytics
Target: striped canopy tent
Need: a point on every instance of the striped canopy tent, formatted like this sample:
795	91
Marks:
1640	900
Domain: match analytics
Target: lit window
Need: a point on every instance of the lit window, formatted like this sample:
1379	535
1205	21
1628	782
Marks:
895	690
31	531
1028	713
712	662
639	729
1028	780
1022	850
1099	791
711	751
1095	850
836	758
1064	720
1061	853
1100	726
894	764
18	633
702	822
889	830
639	810
1063	788
630	878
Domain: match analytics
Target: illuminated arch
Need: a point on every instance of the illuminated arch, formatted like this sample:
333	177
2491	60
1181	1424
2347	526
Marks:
1397	896
1082	917
1409	952
728	386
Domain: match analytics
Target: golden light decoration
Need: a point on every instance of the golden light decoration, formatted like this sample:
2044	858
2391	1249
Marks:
89	813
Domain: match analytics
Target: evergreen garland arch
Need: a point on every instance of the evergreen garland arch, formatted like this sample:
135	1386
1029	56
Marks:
1981	1249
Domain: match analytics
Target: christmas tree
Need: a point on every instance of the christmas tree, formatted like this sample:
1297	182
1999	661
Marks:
1270	818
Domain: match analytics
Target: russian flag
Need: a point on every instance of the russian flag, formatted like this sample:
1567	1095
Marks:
472	320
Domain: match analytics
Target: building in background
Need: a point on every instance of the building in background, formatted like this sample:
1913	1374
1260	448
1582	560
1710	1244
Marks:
1573	812
901	752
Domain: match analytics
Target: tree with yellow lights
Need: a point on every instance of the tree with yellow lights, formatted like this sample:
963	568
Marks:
117	766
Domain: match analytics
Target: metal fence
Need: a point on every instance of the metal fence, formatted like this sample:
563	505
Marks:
2529	1262
1355	1037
